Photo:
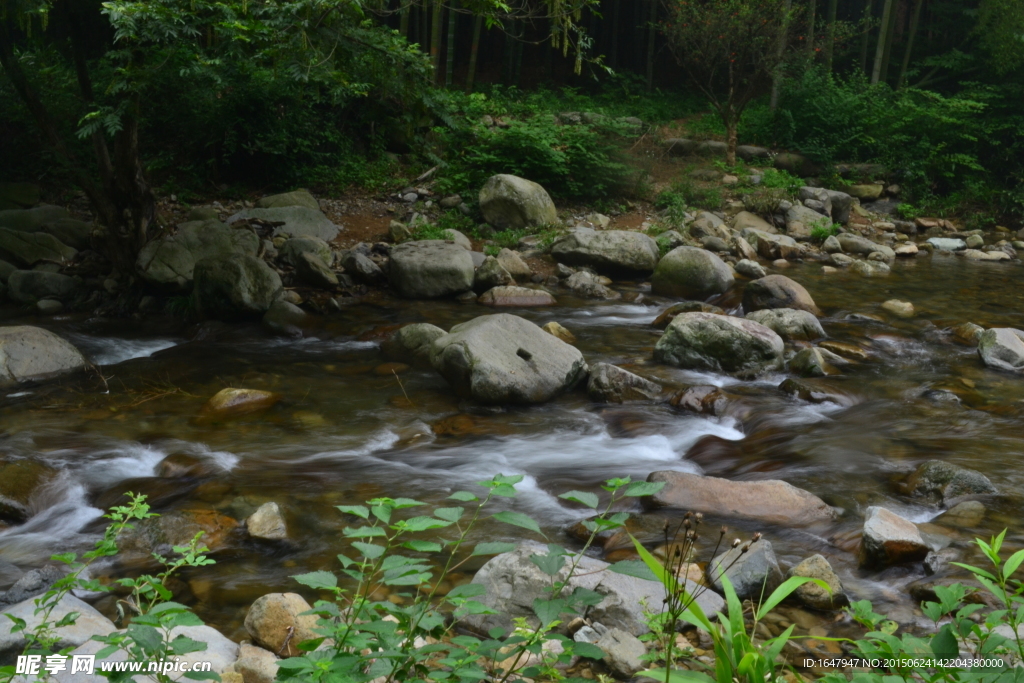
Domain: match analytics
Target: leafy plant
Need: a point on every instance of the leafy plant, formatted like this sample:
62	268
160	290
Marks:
823	228
685	194
774	178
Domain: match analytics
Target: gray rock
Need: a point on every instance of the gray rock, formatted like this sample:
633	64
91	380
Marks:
680	147
513	582
806	217
512	203
867	268
750	152
76	234
751	269
298	221
947	482
691	272
975	242
611	384
89	623
622	653
889	539
30	286
363	269
458	238
832	245
49	306
587	285
169	262
411	344
30	220
398	232
813	595
815	362
842	204
490	274
267	523
236	286
312	270
669	240
705	341
429	269
777	291
1002	348
855	244
947	243
203	214
506	296
450	202
502	359
715	244
293	198
292	250
285	318
788	323
32	583
771	246
753	573
5	271
19	195
747	219
607	251
513	263
29	248
31	353
256	665
969	513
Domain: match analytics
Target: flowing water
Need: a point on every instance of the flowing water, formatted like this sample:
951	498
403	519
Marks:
348	430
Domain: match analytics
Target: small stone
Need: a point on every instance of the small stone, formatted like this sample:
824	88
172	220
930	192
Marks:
267	523
829	270
515	297
907	249
612	384
969	513
623	652
277	622
235	402
975	241
889	539
559	332
902	309
813	595
750	269
707	399
49	306
752	573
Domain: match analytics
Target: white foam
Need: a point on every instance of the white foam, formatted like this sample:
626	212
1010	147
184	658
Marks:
111	351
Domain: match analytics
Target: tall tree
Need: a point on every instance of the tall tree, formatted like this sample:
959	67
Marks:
865	37
909	50
773	100
812	16
876	70
830	37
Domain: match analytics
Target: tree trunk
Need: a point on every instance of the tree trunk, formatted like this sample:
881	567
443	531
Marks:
652	35
865	38
812	17
914	23
890	36
876	70
403	21
830	41
731	136
773	102
474	52
435	38
450	54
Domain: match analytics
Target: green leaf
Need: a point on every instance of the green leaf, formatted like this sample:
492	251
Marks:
518	519
552	562
357	510
1013	563
493	548
368	550
147	637
319	580
944	642
582	497
422	524
450	514
422	546
467	590
464	496
634	568
588	650
644	488
364	532
784	591
548	610
401	503
677	676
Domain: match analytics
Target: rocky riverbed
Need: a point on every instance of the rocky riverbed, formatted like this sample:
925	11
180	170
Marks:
855	400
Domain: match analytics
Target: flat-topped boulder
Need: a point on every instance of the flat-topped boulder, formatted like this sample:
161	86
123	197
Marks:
515	297
771	501
285	199
295	221
608	251
719	343
429	269
31	353
30	220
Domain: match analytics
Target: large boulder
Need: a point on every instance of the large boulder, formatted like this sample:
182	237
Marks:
235	286
770	501
771	246
491	274
746	219
947	482
789	323
842	204
362	268
855	244
507	296
89	623
30	220
691	272
512	582
31	353
777	291
30	286
512	262
6	269
720	343
18	196
1002	348
753	571
612	384
29	248
169	262
801	220
509	202
293	198
889	539
611	251
19	479
295	221
428	269
411	344
498	359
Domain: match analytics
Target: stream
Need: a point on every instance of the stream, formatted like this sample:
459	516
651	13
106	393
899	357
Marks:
348	429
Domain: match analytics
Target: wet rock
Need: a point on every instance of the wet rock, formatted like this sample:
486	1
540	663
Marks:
237	402
855	244
771	246
691	272
870	268
32	286
512	582
753	572
704	341
907	249
89	623
411	344
849	351
670	313
815	362
587	285
498	359
176	528
234	287
559	332
938	560
611	251
889	539
285	318
512	203
512	262
947	482
976	255
611	384
751	269
1002	348
516	297
429	269
297	221
902	309
363	269
947	243
19	479
788	323
770	501
267	523
178	465
293	198
491	274
707	400
30	353
255	664
29	248
777	291
313	271
813	595
969	513
276	622
30	584
815	392
622	652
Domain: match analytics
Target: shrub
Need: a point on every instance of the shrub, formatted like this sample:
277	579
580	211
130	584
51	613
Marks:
822	229
685	194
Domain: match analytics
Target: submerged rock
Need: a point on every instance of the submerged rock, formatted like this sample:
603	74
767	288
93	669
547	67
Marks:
889	539
815	362
503	358
612	384
947	482
709	400
19	479
509	202
611	251
559	332
236	402
691	272
771	501
704	341
31	353
267	523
